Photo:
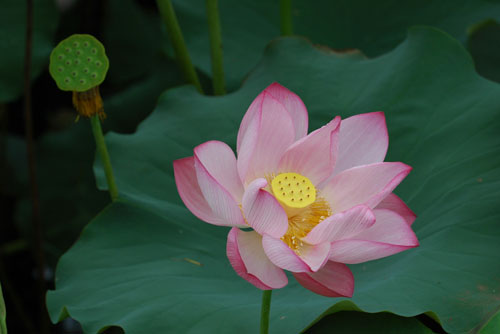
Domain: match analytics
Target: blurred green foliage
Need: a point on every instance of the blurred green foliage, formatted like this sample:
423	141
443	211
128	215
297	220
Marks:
12	43
357	322
141	68
484	46
374	27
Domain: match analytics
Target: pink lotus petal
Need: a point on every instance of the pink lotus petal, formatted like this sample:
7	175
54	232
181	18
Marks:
246	255
294	105
354	251
315	256
389	235
281	255
367	185
262	211
389	228
394	203
363	140
313	156
221	202
342	225
333	280
250	123
219	160
311	258
266	131
190	192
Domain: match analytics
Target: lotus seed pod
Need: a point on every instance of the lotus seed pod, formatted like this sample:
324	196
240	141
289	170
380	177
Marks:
78	63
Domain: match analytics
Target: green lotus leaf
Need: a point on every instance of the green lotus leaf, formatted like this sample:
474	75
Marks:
147	264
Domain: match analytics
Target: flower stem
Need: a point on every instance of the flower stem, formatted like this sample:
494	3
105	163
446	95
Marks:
216	47
286	17
16	306
3	324
175	34
103	152
264	311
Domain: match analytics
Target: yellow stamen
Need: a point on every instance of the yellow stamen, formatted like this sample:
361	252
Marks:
89	103
302	223
304	208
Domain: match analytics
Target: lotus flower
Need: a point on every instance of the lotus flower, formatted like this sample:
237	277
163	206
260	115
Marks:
314	202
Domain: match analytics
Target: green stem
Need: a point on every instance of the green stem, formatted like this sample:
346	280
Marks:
216	47
175	34
286	17
16	305
264	311
3	324
103	152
